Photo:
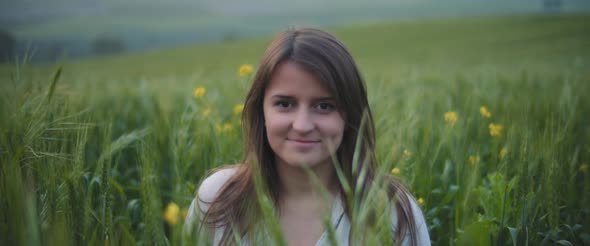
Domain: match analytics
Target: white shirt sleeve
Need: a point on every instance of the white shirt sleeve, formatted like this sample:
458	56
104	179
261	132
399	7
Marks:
421	227
422	236
205	196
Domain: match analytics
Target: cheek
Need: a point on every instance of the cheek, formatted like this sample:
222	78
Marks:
275	124
339	126
268	118
333	130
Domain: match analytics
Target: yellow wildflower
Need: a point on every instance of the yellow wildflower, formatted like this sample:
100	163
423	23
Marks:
420	201
407	154
473	159
206	112
246	70
495	129
227	127
171	214
395	171
503	152
199	92
238	109
451	117
584	168
483	110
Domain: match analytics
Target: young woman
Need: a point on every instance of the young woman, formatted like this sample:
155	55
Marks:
303	116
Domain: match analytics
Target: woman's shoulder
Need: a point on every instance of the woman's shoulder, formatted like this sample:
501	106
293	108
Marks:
214	182
422	235
207	192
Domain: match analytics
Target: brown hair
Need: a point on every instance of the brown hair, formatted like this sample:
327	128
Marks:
324	56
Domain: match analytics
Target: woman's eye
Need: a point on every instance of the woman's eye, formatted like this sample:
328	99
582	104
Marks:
325	106
283	104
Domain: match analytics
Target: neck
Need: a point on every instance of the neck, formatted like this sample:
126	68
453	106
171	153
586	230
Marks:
296	181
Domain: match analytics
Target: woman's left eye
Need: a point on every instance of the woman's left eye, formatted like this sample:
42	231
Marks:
325	106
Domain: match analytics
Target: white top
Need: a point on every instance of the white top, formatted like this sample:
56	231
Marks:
212	184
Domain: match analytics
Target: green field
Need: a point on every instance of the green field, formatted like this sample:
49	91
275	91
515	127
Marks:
97	154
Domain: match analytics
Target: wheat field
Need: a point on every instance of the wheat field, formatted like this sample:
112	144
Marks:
486	120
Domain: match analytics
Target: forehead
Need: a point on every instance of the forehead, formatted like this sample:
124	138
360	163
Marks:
290	78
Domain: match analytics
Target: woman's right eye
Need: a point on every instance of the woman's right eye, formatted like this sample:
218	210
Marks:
283	104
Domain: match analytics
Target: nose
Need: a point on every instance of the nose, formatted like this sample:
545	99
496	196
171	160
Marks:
303	121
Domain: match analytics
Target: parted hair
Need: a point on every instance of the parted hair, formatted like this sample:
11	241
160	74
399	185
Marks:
321	54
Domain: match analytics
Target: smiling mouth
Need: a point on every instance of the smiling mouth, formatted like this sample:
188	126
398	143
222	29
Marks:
304	141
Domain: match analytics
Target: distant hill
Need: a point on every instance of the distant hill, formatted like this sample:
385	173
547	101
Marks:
69	28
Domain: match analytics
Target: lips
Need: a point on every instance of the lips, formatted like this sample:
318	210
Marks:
304	145
304	141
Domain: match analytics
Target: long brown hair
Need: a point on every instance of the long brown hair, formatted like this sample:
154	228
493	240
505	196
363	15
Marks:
324	56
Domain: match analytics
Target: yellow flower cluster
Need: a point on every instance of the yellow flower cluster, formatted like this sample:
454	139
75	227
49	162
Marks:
451	117
245	70
584	168
474	159
496	129
238	109
483	110
395	171
199	92
420	200
225	128
172	213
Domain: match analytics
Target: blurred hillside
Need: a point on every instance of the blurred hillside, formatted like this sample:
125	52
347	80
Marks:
60	29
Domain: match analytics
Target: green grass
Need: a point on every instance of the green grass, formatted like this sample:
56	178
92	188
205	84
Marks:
96	157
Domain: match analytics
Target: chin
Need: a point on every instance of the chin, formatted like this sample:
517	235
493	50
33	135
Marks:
304	162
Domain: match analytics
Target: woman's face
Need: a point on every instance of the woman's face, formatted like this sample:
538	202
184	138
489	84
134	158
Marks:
303	123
